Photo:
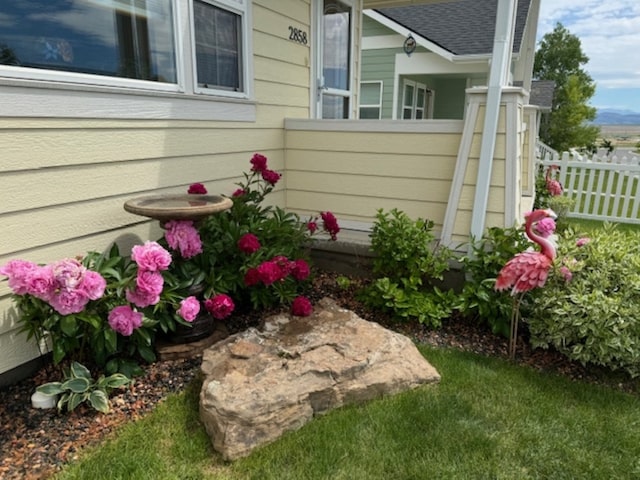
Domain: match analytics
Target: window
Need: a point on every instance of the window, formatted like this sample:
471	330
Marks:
371	100
335	43
137	45
416	101
118	38
218	47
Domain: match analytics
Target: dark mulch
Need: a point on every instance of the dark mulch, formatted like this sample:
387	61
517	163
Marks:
34	443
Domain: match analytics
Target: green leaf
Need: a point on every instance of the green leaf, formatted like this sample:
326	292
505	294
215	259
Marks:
62	401
77	385
147	354
69	325
75	399
111	340
80	371
50	389
98	400
58	352
114	381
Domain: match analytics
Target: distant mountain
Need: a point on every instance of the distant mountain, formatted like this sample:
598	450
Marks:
608	116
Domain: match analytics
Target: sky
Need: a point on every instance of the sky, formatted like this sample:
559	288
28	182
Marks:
609	32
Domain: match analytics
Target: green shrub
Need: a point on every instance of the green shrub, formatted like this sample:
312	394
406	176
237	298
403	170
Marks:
479	298
407	261
283	239
595	317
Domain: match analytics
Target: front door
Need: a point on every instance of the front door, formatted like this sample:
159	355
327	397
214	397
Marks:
333	84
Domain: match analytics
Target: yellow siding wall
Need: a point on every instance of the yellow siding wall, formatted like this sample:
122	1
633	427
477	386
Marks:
63	182
355	169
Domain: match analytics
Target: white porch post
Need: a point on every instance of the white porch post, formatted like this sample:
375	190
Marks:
498	77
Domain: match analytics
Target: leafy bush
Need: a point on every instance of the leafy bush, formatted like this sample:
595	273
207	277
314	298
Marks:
478	298
78	386
259	253
595	317
69	301
406	263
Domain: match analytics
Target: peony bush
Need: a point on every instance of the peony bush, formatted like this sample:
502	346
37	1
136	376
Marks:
108	309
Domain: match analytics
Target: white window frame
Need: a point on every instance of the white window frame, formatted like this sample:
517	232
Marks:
31	92
239	8
427	108
317	79
373	105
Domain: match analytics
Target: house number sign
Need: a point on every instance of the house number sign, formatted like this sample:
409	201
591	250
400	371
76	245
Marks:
297	35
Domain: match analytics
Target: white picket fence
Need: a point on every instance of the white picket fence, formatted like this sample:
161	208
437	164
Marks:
604	186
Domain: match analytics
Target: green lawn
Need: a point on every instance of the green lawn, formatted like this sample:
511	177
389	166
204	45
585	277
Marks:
487	419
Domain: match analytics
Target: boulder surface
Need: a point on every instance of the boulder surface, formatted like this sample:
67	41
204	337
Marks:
260	384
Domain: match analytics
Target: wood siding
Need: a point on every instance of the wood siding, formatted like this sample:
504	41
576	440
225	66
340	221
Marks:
357	168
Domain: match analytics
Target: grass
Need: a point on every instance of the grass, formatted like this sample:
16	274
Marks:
587	226
487	419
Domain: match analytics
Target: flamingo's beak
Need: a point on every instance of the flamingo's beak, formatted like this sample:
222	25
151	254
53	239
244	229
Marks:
551	213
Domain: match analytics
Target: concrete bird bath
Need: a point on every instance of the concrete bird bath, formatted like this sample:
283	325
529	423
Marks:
177	206
184	343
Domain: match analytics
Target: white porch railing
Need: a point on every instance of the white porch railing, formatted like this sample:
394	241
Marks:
604	187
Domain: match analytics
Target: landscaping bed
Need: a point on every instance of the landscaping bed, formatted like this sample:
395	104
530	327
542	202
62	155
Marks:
37	443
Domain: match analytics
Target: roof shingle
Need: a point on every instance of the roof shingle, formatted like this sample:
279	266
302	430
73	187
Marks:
464	27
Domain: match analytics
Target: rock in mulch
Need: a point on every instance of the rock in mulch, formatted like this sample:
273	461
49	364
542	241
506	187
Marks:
260	384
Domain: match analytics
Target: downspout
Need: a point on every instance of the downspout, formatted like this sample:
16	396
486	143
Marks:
498	77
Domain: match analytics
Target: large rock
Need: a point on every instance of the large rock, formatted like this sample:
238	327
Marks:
260	384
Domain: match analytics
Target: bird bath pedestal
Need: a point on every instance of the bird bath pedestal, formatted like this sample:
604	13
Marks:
194	207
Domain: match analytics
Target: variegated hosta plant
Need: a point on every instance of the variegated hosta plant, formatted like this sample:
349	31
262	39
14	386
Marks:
78	386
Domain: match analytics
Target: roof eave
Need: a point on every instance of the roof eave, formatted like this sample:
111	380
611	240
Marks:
405	32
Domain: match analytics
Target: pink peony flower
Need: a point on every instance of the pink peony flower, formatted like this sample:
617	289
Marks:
18	272
220	306
312	226
301	307
151	256
189	308
270	176
581	242
330	224
239	192
252	277
40	283
66	301
269	272
285	265
258	162
149	283
93	285
546	226
249	243
566	273
181	235
196	189
141	298
124	320
68	273
300	270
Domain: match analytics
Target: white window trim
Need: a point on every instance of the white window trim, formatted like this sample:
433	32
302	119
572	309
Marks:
427	110
247	72
48	93
317	80
372	105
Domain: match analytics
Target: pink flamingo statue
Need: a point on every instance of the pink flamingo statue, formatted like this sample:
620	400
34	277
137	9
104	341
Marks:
526	270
